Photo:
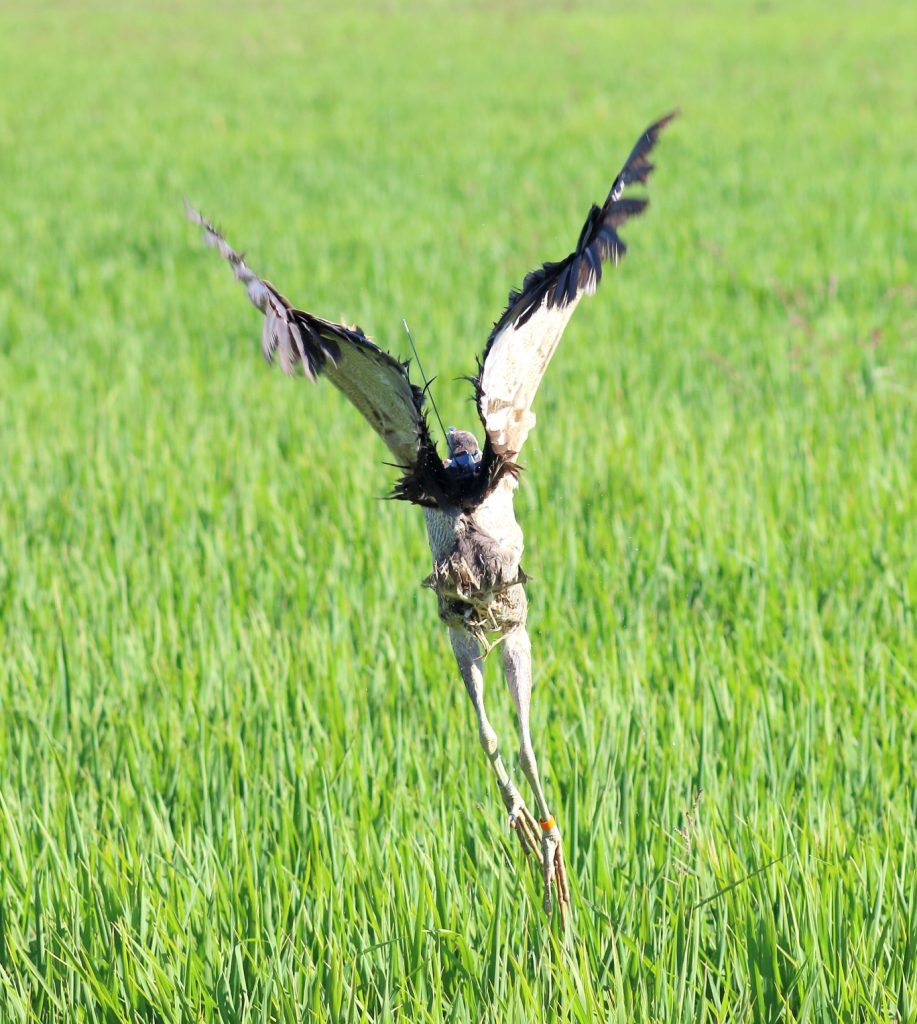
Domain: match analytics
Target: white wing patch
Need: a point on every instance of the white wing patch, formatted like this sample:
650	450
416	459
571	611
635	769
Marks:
523	340
515	364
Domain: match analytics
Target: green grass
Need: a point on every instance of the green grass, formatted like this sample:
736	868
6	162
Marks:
239	775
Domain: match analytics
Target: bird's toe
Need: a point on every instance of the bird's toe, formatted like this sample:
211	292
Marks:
554	872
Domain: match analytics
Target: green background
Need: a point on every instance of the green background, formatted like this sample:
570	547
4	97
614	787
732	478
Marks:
239	776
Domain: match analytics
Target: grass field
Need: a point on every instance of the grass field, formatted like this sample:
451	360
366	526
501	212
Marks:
239	776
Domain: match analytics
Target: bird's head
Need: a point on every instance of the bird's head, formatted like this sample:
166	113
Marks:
464	453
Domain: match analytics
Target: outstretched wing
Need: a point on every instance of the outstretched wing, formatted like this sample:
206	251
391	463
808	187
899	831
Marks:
523	340
375	382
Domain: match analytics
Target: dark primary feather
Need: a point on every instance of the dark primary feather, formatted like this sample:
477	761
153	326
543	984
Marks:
375	382
525	336
598	241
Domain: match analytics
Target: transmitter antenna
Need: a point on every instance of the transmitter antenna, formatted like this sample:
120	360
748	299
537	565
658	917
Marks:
426	381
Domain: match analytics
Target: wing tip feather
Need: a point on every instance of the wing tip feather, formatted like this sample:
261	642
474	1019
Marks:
544	283
557	284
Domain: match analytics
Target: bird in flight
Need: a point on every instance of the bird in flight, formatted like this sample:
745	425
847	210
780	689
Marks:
467	498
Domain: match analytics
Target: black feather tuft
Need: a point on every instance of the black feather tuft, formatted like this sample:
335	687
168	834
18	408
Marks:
430	484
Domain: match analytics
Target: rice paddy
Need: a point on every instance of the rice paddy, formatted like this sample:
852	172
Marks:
240	779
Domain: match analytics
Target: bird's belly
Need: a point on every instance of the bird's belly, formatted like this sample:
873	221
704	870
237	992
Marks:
476	572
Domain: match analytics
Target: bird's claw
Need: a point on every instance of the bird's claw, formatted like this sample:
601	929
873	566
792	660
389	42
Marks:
524	825
554	870
521	821
548	852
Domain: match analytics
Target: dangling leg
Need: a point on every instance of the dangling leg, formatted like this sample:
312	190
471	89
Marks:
468	655
517	660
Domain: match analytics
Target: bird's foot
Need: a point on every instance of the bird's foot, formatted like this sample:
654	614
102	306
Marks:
521	821
552	865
